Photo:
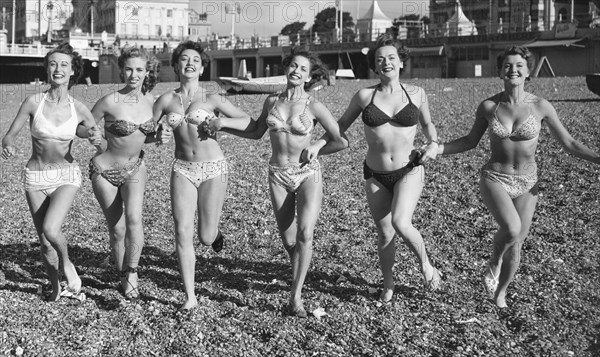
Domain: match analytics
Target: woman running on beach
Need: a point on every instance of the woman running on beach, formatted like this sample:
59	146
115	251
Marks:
51	176
393	171
199	171
509	181
295	182
118	174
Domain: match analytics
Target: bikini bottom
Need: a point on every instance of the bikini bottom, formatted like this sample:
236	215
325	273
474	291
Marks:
292	176
118	176
199	172
52	177
514	185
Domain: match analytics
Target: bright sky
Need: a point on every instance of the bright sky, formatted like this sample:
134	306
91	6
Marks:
268	17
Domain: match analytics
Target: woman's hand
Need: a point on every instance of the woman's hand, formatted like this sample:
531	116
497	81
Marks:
215	124
310	153
430	152
205	128
164	134
8	151
95	136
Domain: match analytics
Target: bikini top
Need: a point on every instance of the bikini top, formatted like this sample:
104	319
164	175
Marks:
299	125
372	116
529	129
43	129
195	117
126	128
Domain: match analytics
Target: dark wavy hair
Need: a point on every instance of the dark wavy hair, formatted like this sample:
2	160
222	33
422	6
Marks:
520	51
189	45
76	61
152	66
387	40
318	70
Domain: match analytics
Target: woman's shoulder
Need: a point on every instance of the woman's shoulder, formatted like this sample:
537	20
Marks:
364	94
488	105
272	98
167	96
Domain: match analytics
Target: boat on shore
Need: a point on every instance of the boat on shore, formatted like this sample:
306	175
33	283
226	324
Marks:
260	85
244	83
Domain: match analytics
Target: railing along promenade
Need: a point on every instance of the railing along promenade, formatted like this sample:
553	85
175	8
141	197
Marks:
29	50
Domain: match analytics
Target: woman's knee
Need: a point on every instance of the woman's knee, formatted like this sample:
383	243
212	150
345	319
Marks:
207	234
402	227
134	222
513	232
184	233
117	232
305	234
384	237
51	231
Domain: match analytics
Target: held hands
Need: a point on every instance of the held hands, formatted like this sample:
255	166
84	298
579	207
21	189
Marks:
215	124
430	152
205	127
8	151
95	136
164	134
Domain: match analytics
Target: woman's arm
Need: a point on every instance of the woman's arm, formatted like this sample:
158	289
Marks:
431	149
25	112
245	127
470	140
236	121
350	114
87	128
163	130
336	140
561	134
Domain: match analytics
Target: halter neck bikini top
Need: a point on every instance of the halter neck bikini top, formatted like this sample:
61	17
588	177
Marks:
372	116
529	129
126	128
43	129
195	117
299	125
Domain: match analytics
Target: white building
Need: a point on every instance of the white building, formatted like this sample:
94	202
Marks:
35	18
143	23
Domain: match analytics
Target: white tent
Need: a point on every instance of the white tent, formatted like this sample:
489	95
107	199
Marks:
373	23
459	24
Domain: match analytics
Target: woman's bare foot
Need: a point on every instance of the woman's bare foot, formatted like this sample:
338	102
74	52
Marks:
432	278
189	304
500	300
296	308
386	295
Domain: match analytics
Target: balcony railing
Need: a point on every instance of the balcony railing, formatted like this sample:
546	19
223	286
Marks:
29	50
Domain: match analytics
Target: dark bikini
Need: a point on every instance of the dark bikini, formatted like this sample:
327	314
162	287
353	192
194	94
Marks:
119	176
373	117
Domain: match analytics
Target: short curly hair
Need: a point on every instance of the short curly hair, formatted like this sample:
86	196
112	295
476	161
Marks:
152	66
516	50
189	45
387	40
318	70
76	61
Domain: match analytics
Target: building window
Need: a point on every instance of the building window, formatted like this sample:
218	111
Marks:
146	30
158	30
169	30
180	32
123	29
169	13
134	30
